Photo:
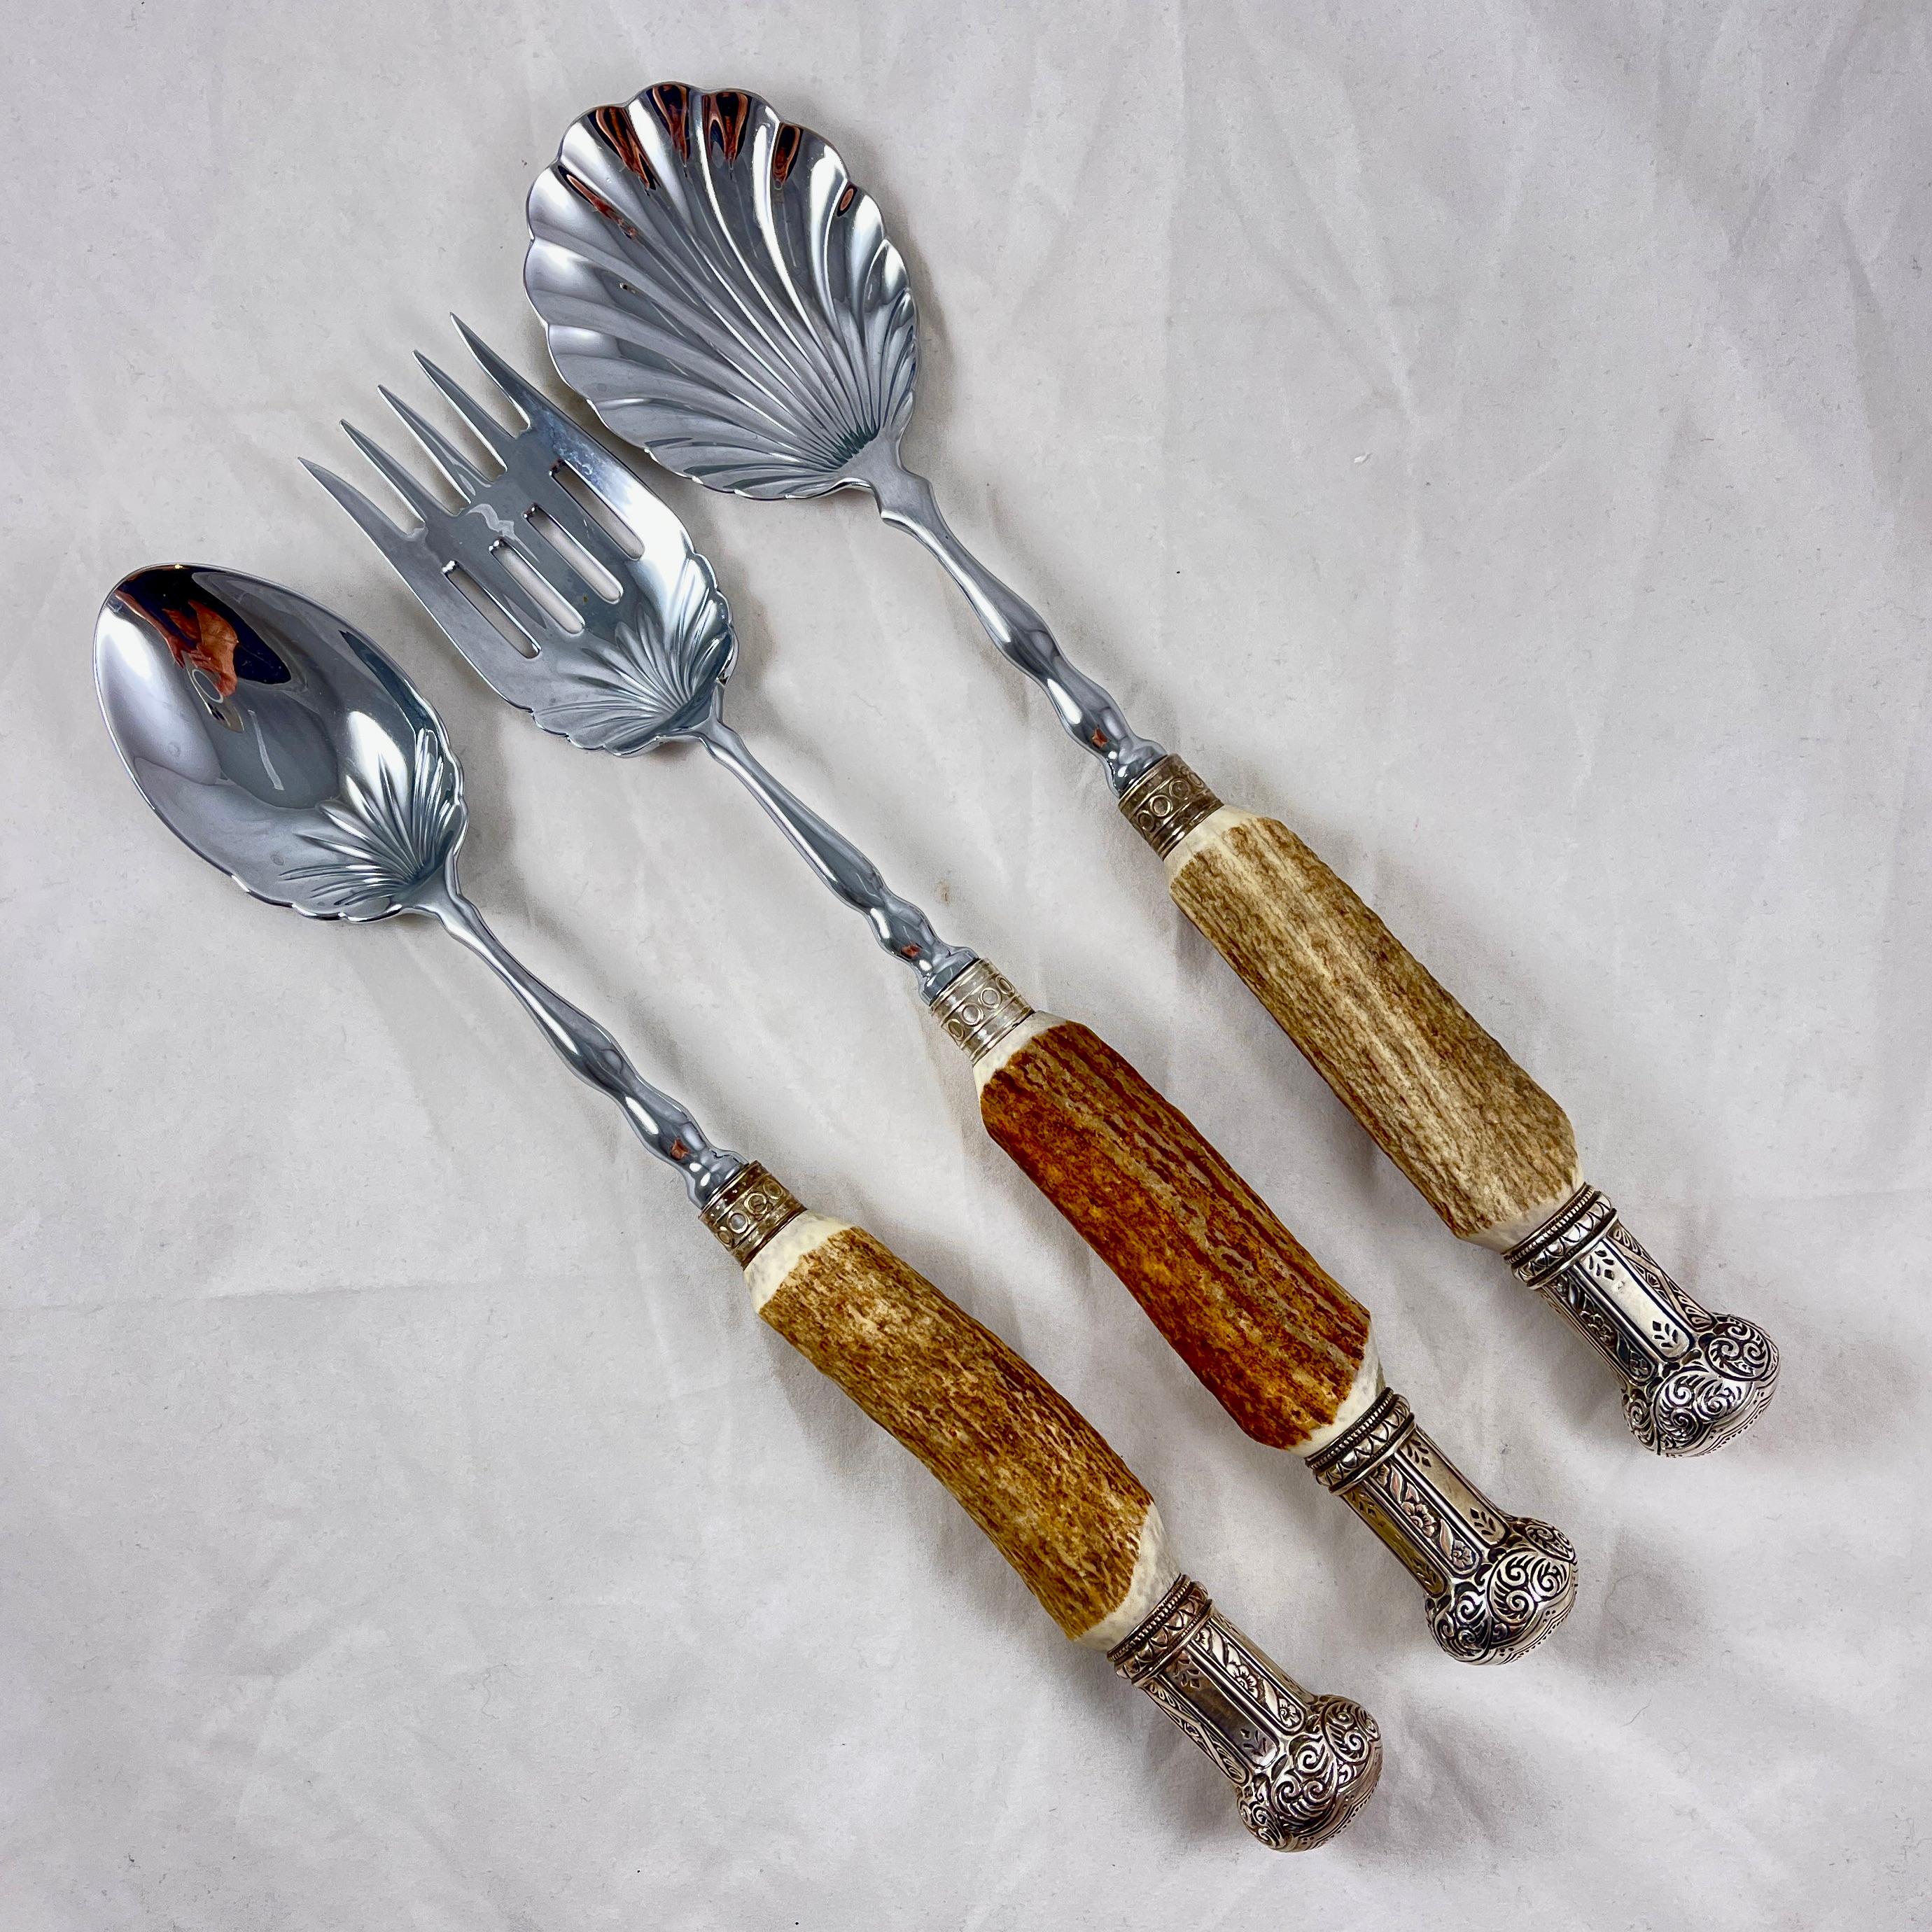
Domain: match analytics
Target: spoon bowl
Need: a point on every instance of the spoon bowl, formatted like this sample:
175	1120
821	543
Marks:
277	742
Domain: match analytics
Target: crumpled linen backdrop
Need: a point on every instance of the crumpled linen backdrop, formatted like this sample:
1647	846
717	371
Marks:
1493	437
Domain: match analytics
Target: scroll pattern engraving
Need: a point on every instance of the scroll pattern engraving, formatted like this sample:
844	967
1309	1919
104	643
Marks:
1165	804
1495	1585
1302	1765
1692	1379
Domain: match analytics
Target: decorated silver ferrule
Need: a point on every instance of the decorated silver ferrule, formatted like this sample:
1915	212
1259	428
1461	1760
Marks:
1166	802
1692	1380
979	1008
749	1209
1302	1765
1495	1585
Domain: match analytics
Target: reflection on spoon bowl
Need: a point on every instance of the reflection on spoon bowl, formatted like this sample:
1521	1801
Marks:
277	742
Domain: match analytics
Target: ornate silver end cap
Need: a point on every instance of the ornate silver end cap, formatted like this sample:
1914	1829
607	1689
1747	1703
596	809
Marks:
1494	1585
1692	1379
1302	1765
1522	1592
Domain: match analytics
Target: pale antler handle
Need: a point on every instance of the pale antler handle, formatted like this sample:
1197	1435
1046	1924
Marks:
1489	1150
1057	1501
1281	1345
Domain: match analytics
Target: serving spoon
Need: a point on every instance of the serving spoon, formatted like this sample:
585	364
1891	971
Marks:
280	744
623	644
723	295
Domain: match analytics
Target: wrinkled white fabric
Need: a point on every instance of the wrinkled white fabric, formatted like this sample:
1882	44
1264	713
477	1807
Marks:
1492	438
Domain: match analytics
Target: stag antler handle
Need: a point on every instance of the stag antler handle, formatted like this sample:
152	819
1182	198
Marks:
1279	1344
1490	1151
1057	1501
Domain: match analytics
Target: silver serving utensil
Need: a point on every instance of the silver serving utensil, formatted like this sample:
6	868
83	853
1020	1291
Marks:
725	296
621	646
280	744
720	291
284	748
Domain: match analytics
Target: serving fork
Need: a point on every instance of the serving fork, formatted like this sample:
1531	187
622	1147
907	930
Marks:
620	643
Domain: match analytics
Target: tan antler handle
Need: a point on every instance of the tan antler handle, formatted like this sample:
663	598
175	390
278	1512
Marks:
1057	1502
1489	1150
1281	1345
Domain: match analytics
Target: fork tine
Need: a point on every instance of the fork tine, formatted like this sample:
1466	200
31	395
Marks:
464	476
493	657
430	512
534	403
553	438
488	431
386	536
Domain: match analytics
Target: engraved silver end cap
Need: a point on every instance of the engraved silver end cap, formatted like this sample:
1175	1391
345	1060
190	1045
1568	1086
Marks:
1692	1380
1302	1765
1494	1585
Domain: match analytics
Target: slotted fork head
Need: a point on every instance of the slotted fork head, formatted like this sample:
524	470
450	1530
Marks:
626	672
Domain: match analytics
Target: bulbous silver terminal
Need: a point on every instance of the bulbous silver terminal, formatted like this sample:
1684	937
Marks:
1302	1765
1496	1586
1166	802
1692	1380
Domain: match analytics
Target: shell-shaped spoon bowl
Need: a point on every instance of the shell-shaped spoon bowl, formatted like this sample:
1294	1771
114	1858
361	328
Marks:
720	291
277	742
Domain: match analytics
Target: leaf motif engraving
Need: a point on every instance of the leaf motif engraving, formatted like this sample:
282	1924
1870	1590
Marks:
390	831
655	676
716	286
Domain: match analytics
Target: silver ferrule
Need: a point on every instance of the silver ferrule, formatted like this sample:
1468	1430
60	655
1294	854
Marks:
1495	1585
1302	1765
1165	804
749	1209
979	1008
1692	1380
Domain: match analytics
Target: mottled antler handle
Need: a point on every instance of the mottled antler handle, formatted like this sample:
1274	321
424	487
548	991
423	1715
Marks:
1283	1347
1302	1765
1057	1501
1489	1150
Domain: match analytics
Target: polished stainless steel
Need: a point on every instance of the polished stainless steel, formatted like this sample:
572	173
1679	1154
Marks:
1495	1585
1692	1380
278	742
1302	1765
723	295
632	645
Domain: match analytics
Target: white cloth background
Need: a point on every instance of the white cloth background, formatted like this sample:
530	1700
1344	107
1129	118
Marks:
1493	437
